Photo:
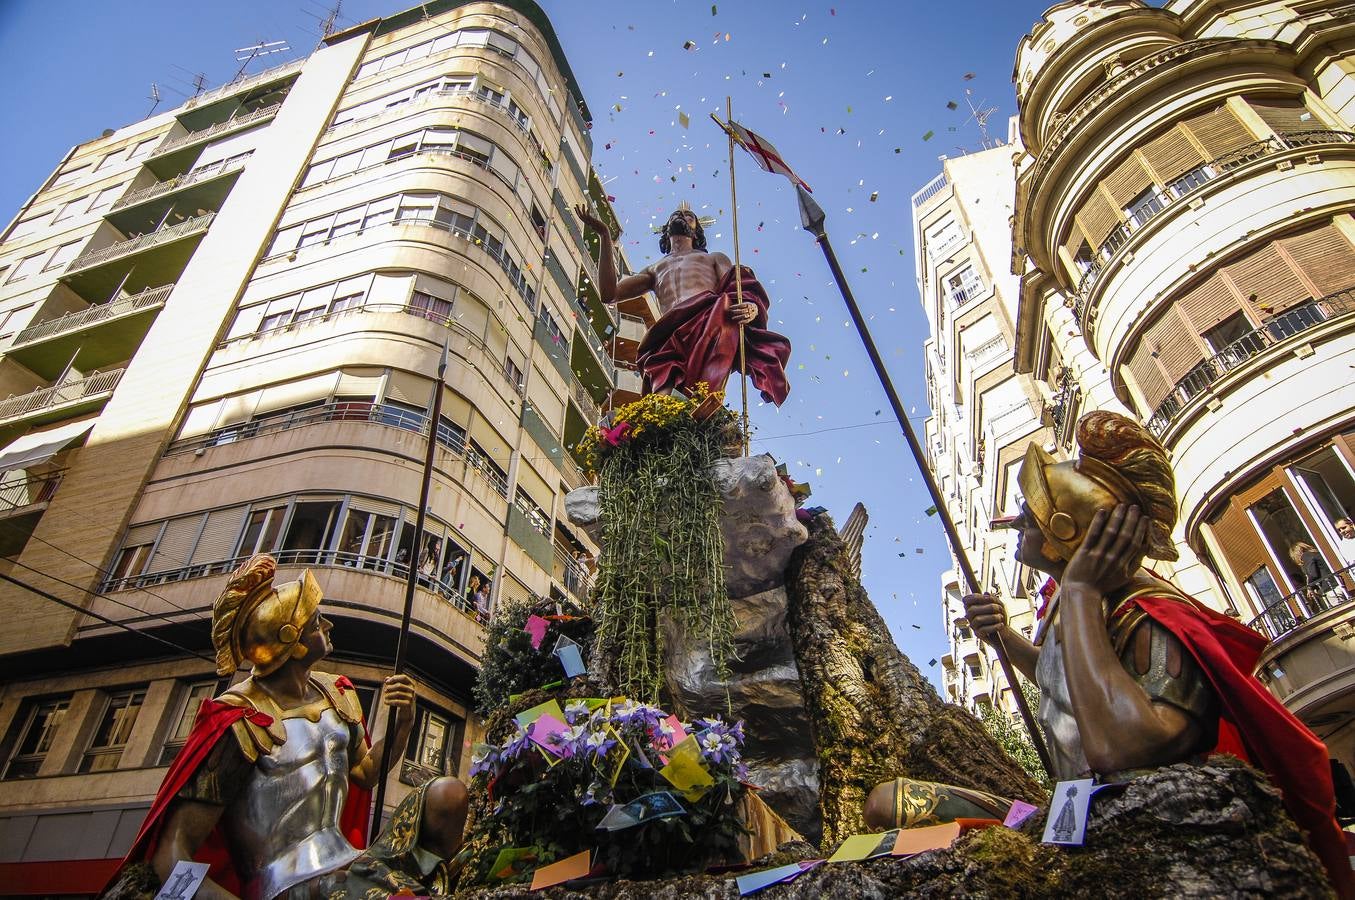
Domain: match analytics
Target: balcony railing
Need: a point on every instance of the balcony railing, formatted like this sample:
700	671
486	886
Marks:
930	190
1287	614
313	557
147	299
1183	187
194	137
25	490
989	350
599	351
1277	328
133	245
59	395
187	178
575	576
240	84
574	476
1013	418
586	402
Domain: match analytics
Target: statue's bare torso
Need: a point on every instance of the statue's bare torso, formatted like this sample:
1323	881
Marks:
683	274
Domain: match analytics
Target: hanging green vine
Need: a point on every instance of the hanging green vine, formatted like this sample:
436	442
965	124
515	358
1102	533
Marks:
663	554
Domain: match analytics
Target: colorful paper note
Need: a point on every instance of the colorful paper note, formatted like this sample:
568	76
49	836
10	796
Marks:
859	846
1020	811
656	805
513	861
528	716
567	869
541	731
930	837
686	771
536	627
756	881
570	657
1067	821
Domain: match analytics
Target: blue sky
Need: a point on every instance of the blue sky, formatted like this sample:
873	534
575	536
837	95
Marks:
846	90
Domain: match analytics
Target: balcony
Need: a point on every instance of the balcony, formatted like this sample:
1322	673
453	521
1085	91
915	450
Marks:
1180	189
1275	330
47	346
217	130
59	401
930	190
187	228
20	493
1282	617
161	188
575	576
629	387
591	413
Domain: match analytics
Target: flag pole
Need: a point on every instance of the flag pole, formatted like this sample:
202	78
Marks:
401	645
738	272
812	220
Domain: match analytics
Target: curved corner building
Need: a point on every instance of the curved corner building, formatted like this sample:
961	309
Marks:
221	328
1186	214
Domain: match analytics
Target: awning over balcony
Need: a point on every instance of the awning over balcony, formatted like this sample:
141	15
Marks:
40	446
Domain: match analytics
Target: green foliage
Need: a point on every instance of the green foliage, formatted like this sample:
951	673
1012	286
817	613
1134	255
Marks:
1010	734
664	555
510	665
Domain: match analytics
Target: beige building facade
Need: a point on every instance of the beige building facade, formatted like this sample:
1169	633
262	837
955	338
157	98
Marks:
1184	220
220	329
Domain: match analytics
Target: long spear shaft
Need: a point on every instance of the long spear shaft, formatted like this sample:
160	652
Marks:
401	645
738	273
812	219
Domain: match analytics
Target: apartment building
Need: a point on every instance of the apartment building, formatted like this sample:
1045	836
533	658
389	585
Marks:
219	332
1185	214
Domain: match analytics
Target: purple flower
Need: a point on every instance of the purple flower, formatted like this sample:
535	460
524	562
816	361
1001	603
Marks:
636	715
518	743
598	744
484	760
717	746
575	710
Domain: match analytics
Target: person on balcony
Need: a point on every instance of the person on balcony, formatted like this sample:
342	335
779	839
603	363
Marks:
1345	541
702	323
1133	673
1317	578
272	788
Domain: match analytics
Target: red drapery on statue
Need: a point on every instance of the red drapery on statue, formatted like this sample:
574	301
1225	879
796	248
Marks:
695	342
1272	738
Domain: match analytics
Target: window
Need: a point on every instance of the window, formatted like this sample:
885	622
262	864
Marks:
71	209
311	526
110	739
380	212
431	737
417	207
451	435
112	159
187	713
316	232
349	301
1144	206
29	265
68	177
975	668
1231	329
366	538
964	286
514	376
105	198
434	309
1085	259
143	148
261	531
62	256
538	222
277	320
36	736
27	226
132	561
942	238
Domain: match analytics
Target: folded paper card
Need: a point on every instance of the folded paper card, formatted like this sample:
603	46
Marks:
655	805
536	627
929	837
513	861
1067	820
528	716
756	881
1019	813
860	846
543	729
567	869
686	772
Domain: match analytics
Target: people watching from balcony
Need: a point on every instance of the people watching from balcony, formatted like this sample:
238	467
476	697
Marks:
477	595
1345	540
1316	575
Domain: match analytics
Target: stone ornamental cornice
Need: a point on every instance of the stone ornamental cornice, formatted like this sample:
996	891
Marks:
1096	101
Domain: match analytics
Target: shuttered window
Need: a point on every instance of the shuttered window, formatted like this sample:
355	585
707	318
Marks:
219	535
1218	131
372	504
407	387
176	544
1097	218
1171	155
1146	374
295	393
1237	540
1209	302
359	382
1266	281
1127	180
1177	348
1325	257
1284	115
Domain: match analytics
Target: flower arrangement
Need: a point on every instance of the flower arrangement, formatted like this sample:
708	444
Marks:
648	794
511	665
650	418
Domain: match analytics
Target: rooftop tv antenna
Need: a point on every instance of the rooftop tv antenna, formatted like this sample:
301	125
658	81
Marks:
154	98
247	55
335	11
980	115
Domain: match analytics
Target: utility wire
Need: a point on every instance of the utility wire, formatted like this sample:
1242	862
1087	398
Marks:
193	615
77	608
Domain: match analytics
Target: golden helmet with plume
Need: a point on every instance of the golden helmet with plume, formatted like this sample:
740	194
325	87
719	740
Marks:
1119	461
256	623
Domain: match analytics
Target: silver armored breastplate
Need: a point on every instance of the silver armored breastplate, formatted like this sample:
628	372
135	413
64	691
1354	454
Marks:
284	827
1056	711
